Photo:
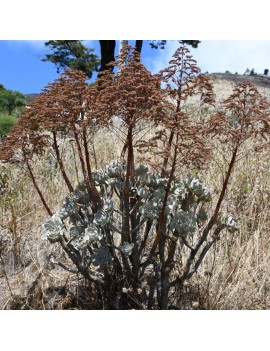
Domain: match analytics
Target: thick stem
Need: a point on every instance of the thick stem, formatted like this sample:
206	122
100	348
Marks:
94	193
162	214
107	48
60	162
129	176
36	185
138	45
210	224
78	145
81	268
166	159
160	226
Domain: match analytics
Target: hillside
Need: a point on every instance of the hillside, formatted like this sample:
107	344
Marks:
30	97
222	81
224	84
258	80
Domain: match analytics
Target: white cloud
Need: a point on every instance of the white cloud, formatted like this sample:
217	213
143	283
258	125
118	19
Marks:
18	45
161	57
219	55
232	55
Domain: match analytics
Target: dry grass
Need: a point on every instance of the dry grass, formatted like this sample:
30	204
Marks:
234	275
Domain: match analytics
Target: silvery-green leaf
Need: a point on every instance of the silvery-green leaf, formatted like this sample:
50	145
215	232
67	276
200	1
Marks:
108	206
159	194
119	185
114	169
111	181
75	231
91	235
143	192
82	186
101	218
150	180
53	229
126	248
100	177
162	182
179	189
68	209
196	186
140	170
149	212
231	224
101	256
156	203
184	222
80	197
172	204
202	215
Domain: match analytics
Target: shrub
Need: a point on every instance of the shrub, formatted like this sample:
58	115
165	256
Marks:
139	228
6	123
12	102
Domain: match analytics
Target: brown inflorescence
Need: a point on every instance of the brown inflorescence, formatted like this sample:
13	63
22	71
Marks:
245	115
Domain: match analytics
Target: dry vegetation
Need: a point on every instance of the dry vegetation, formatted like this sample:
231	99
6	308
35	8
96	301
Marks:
234	275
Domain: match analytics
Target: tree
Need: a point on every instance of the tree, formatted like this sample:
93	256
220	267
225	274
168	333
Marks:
107	48
6	124
266	71
155	44
11	102
72	54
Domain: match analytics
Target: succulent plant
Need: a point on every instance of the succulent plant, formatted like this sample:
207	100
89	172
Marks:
108	206
126	248
141	170
101	218
75	231
172	204
149	211
68	209
184	222
91	235
196	186
229	222
53	229
101	256
100	177
143	192
114	169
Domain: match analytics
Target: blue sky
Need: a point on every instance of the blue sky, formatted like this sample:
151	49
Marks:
21	67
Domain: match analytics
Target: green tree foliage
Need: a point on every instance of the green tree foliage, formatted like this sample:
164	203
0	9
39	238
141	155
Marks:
6	123
11	102
155	44
72	54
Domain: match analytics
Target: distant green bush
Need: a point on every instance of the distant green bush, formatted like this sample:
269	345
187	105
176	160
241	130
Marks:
11	102
6	123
